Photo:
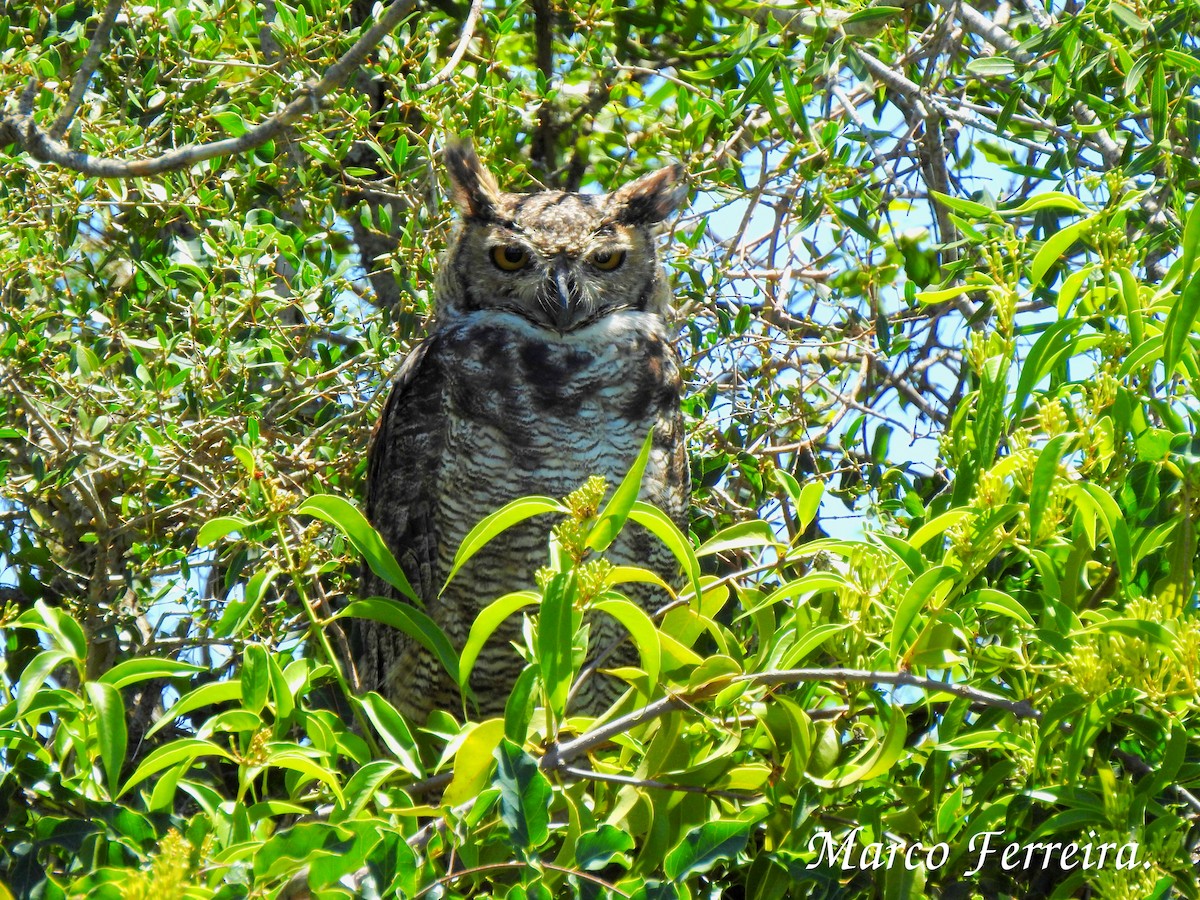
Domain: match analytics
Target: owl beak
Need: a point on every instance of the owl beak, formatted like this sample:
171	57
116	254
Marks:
566	297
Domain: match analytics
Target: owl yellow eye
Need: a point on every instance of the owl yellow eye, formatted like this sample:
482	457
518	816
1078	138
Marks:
607	260
510	257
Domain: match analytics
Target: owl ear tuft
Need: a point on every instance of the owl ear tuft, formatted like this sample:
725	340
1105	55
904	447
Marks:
472	187
651	198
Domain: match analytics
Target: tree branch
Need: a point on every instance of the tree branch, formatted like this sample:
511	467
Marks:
87	68
44	147
460	51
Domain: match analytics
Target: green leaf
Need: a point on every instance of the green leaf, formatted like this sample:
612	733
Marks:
34	676
595	849
1044	473
929	588
132	671
753	533
612	519
298	762
181	752
877	757
555	630
361	787
1183	313
498	522
1094	497
640	627
484	626
205	695
809	503
413	622
215	529
473	762
705	846
656	522
936	526
254	678
518	709
60	625
991	66
808	642
238	612
1159	118
524	796
365	539
999	602
967	207
110	729
1047	200
1053	249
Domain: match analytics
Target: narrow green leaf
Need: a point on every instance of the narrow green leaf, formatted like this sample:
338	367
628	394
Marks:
612	519
1044	473
555	632
309	768
361	787
132	671
1131	305
484	626
60	625
184	751
927	589
501	520
1114	523
936	526
999	602
968	208
1047	200
640	627
989	415
808	642
110	729
412	622
656	522
34	676
991	67
238	612
205	695
754	533
254	678
1053	249
1183	313
342	514
524	796
518	709
1158	103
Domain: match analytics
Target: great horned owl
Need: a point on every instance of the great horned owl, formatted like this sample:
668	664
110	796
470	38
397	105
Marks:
549	360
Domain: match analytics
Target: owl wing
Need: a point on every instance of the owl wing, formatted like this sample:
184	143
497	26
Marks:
401	502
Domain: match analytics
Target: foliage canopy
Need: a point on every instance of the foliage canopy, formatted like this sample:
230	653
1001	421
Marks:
937	298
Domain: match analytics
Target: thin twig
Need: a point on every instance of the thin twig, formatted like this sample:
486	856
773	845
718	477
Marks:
464	41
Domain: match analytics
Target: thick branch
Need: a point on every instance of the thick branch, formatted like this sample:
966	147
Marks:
87	68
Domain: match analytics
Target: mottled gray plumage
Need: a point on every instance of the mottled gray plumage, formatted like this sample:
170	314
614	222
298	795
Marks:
549	360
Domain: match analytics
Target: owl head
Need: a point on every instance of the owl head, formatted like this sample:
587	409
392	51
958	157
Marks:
560	260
